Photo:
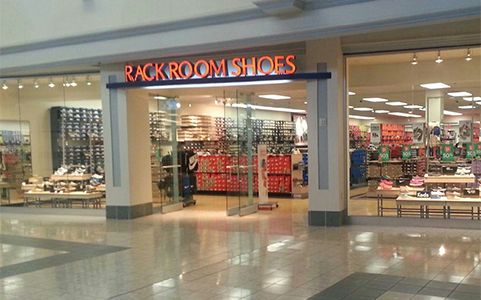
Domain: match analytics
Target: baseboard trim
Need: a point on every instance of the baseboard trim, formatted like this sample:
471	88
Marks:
129	212
326	218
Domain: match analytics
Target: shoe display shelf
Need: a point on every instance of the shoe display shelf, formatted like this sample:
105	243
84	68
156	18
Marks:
77	137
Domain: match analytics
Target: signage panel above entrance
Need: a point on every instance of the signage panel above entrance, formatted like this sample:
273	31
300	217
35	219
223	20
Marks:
212	68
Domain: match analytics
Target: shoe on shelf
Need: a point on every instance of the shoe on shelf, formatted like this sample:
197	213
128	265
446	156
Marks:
61	171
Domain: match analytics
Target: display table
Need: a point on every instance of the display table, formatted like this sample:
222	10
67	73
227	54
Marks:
63	199
5	188
450	206
70	177
392	193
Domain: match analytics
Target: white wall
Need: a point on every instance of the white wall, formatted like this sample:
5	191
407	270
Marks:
32	105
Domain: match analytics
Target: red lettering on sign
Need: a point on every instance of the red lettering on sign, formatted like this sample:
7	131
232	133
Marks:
236	64
262	67
198	71
173	69
128	73
146	72
215	70
290	63
159	73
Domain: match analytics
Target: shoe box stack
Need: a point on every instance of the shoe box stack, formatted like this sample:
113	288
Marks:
392	133
392	170
279	164
196	128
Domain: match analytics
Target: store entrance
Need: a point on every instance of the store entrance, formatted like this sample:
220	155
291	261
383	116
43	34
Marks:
228	150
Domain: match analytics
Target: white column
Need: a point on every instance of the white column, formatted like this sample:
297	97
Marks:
127	150
327	134
434	106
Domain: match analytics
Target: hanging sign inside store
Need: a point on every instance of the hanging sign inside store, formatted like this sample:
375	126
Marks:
406	152
418	133
384	153
212	68
375	133
447	152
465	131
470	151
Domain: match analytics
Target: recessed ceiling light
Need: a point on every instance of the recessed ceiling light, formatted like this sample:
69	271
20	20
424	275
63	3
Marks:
381	111
406	115
459	94
467	107
20	85
413	106
472	98
360	117
73	83
363	108
51	84
190	104
178	105
351	93
396	103
452	113
435	85
274	97
375	99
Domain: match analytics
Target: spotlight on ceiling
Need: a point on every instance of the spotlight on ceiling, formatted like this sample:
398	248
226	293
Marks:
51	84
468	55
35	84
4	85
351	93
89	83
439	59
20	85
73	83
414	60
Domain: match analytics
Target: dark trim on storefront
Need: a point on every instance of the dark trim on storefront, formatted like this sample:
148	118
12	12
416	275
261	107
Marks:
298	76
129	212
327	218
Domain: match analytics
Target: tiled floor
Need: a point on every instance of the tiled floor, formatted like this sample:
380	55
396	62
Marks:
199	253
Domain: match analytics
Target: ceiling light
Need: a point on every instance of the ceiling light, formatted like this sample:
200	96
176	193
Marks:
435	85
4	85
406	115
468	55
190	104
414	61
472	98
452	113
381	111
439	59
160	98
350	106
217	84
20	85
459	94
274	97
363	108
73	83
375	99
467	107
88	81
35	84
178	105
351	93
413	106
360	117
51	84
305	102
396	103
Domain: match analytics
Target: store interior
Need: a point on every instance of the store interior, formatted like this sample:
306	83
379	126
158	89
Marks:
204	143
414	125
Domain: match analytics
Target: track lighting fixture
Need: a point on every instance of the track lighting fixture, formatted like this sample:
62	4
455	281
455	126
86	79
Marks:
51	84
4	85
73	83
35	84
468	55
439	59
89	83
20	85
414	61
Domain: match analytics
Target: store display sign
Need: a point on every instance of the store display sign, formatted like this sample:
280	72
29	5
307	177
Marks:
406	152
418	133
423	194
212	68
447	152
262	172
384	153
470	151
375	133
300	122
465	131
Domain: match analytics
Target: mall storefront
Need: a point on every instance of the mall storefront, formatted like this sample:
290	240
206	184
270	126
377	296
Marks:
130	138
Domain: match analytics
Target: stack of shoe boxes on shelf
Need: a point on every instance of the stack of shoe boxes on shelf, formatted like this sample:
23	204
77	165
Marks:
77	137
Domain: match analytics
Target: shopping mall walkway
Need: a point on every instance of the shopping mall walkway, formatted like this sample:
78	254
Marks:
205	255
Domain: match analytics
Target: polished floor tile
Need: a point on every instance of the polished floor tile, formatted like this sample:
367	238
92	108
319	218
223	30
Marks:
199	253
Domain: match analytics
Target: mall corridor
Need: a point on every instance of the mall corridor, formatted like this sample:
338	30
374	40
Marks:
205	255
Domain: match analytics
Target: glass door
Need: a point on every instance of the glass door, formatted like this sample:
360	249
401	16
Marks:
241	175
